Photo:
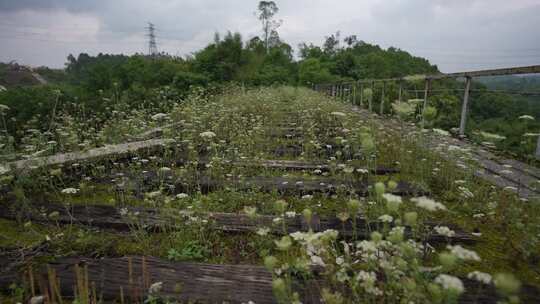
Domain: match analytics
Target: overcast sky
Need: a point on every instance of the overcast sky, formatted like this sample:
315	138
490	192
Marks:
454	34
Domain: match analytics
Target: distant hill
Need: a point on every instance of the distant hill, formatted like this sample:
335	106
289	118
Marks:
514	83
14	75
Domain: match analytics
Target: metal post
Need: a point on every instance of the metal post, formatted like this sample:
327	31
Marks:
426	92
361	95
371	97
465	106
538	148
353	101
382	98
400	90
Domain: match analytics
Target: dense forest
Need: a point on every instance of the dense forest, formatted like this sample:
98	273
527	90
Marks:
95	83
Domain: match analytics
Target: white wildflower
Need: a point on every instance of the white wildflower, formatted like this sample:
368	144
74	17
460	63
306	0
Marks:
464	254
155	288
316	260
386	218
37	300
290	214
165	169
451	283
366	246
207	134
4	169
526	117
123	211
263	231
182	195
479	276
70	190
341	114
465	192
307	197
445	231
428	204
392	198
159	116
441	132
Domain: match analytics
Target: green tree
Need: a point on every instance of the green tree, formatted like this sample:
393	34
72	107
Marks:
267	11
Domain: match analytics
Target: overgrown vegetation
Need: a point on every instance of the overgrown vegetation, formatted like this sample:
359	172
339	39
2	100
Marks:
223	114
220	129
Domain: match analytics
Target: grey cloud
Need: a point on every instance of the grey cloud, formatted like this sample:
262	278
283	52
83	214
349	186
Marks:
458	34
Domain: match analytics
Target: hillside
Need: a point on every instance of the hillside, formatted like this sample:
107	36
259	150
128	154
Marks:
14	75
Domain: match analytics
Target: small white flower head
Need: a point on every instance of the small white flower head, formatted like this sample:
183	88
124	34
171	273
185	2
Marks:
428	204
37	300
70	191
159	116
364	276
526	117
450	283
155	288
463	253
250	211
123	211
444	231
290	214
4	169
441	132
263	231
340	114
317	260
479	276
392	198
386	218
307	197
182	195
348	170
207	134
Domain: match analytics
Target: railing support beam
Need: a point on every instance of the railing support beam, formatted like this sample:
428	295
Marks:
465	107
426	93
381	111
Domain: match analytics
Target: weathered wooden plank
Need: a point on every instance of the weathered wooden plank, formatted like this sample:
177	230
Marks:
288	186
119	150
110	217
309	166
205	283
181	281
